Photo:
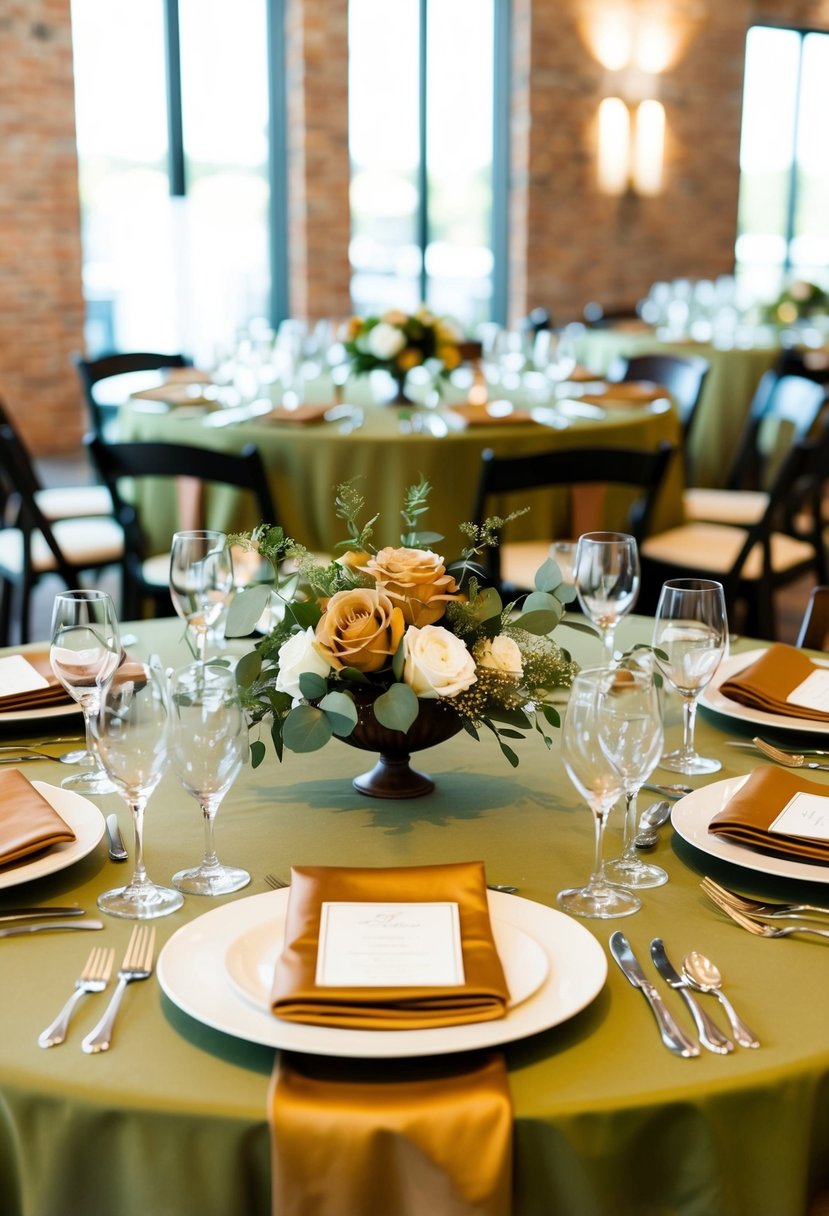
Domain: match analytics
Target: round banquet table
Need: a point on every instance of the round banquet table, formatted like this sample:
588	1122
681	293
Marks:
172	1120
306	462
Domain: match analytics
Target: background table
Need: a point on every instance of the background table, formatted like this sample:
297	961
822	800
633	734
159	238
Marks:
172	1120
307	462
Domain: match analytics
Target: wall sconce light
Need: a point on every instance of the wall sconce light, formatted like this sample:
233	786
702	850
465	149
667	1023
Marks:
631	146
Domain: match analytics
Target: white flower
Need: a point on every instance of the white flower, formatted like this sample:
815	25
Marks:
436	663
297	656
501	654
385	341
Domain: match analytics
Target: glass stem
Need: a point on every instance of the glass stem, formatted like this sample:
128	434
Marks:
628	848
689	714
609	640
91	755
208	810
597	878
139	877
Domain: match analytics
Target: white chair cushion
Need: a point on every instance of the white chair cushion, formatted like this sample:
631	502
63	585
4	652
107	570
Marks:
520	560
83	542
739	507
66	502
156	570
714	548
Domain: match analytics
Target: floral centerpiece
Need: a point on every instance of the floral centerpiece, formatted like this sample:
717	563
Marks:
382	642
799	300
396	342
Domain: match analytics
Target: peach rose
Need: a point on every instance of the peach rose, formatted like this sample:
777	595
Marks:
415	580
360	628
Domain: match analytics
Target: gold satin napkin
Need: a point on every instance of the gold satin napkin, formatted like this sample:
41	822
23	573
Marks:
53	693
626	393
296	997
302	414
28	823
424	1137
478	414
768	681
755	806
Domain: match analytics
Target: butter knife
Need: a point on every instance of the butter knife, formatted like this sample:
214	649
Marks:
709	1033
804	751
12	914
49	927
672	1034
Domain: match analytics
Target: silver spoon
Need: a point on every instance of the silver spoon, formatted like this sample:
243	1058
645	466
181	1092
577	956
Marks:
705	976
651	818
668	791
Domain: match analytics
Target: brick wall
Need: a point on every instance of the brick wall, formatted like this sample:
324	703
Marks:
41	309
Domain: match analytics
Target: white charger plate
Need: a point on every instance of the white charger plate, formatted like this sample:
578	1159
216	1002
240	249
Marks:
85	820
36	715
693	813
193	974
713	699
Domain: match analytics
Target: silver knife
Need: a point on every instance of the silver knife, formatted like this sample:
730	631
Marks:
49	927
673	1036
709	1033
10	914
117	852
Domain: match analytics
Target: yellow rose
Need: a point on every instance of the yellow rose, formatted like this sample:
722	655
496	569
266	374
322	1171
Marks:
359	628
409	358
355	327
353	559
449	356
395	317
416	581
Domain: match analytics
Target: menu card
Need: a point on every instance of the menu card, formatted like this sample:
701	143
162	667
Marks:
380	944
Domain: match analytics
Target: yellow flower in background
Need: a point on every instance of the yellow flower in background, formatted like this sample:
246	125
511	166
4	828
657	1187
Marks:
449	356
409	358
395	317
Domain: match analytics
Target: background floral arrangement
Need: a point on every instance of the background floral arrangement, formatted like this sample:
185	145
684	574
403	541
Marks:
398	341
800	299
395	627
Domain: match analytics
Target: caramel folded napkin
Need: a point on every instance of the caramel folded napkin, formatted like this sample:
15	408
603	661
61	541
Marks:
44	687
176	392
480	414
296	996
768	682
749	814
27	821
626	393
302	413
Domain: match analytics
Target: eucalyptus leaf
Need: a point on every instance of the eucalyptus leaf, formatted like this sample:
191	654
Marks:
257	753
312	686
541	622
581	626
419	539
245	609
353	675
551	714
540	601
306	729
397	708
566	593
508	752
548	576
248	668
303	612
340	711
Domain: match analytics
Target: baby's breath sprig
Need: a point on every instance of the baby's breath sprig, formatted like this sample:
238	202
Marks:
348	504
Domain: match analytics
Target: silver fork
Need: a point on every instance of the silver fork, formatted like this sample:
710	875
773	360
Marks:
94	978
756	907
137	965
276	884
788	759
759	927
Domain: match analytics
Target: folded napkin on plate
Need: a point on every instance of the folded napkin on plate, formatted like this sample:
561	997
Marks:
749	814
413	1137
626	393
179	392
296	996
482	414
28	823
28	682
302	413
769	682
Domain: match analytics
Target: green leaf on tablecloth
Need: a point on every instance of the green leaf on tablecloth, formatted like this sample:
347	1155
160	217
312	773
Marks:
340	711
397	708
245	609
312	686
306	729
248	668
257	753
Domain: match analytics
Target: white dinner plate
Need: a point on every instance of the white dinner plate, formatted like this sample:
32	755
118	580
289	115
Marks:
693	813
85	820
191	971
712	698
250	962
35	715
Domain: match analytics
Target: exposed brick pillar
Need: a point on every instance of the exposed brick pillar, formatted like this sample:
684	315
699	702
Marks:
318	166
41	305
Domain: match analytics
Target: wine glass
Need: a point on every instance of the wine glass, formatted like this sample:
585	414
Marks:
84	653
599	782
131	736
207	744
201	580
630	731
690	637
607	581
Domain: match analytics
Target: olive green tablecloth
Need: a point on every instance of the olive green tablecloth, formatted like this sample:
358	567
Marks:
307	462
172	1120
732	379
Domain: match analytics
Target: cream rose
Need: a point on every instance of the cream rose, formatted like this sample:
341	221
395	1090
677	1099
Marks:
416	581
500	653
360	628
436	663
297	656
385	341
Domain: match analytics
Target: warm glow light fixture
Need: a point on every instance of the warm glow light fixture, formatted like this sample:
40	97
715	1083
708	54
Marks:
631	146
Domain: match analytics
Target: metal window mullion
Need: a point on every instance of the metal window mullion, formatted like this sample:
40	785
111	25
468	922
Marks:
501	93
277	163
791	210
423	164
175	126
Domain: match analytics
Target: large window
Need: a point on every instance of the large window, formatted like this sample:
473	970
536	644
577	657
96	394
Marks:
784	159
422	143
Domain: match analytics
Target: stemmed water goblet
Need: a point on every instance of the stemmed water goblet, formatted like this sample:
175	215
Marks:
207	743
84	653
131	736
607	581
630	731
599	782
690	637
201	580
